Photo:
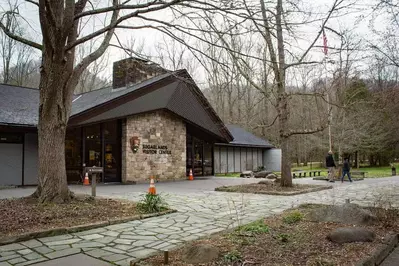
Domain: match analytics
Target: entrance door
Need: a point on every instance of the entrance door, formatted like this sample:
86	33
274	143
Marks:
208	159
198	157
112	152
93	147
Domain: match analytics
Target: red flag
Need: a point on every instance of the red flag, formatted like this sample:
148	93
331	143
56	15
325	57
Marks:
325	48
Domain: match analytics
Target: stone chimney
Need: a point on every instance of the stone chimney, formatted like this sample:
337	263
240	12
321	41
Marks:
130	71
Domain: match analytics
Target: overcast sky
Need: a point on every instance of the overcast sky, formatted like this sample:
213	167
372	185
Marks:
358	21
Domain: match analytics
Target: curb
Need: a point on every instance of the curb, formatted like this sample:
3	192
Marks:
377	257
78	228
309	190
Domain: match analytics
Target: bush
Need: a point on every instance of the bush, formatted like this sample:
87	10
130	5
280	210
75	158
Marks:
233	256
151	203
293	217
257	227
283	237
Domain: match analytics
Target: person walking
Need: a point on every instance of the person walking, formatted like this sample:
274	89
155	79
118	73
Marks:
330	164
346	170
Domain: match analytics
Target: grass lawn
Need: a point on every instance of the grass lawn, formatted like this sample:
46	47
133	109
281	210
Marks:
372	172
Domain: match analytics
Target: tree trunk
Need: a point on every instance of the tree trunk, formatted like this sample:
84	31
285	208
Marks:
286	179
52	184
55	104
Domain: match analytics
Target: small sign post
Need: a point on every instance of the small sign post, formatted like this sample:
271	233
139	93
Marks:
93	171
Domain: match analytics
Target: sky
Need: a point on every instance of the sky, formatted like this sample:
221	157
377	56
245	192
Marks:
357	20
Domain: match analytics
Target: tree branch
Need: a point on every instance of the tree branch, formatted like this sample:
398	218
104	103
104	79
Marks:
19	38
305	131
32	2
335	5
115	23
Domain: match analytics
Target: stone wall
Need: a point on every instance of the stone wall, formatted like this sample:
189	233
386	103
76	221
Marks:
162	148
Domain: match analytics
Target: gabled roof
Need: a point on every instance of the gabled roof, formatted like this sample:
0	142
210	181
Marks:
245	138
174	92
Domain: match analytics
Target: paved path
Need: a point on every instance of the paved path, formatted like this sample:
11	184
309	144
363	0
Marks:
201	211
392	259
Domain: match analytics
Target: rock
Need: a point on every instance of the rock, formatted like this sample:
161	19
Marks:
271	176
348	213
265	182
200	253
277	180
262	174
351	234
247	174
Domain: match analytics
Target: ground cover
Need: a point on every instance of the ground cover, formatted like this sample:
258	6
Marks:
25	215
270	187
290	238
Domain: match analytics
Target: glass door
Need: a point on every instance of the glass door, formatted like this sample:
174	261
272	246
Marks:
112	152
189	154
198	157
93	147
208	159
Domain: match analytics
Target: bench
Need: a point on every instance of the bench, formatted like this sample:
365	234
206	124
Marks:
361	173
299	173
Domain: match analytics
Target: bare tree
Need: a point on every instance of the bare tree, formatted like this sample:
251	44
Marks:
274	24
59	74
17	58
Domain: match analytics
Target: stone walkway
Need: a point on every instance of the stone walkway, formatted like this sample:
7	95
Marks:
200	213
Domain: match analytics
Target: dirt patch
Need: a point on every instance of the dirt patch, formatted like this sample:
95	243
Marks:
25	215
287	239
273	188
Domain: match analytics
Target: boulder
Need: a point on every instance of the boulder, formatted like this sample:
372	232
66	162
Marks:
271	176
350	234
200	253
262	174
265	182
277	180
247	174
347	213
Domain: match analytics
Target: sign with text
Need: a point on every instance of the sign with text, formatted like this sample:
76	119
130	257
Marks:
94	170
156	149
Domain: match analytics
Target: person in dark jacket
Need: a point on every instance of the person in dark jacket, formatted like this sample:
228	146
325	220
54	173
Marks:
330	164
346	170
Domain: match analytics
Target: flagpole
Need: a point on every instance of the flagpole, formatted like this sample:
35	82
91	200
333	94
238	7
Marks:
329	110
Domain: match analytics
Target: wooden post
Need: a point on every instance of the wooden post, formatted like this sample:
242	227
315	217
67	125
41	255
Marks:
93	184
166	257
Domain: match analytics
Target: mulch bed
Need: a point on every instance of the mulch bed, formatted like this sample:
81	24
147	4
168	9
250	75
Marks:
273	188
299	243
25	215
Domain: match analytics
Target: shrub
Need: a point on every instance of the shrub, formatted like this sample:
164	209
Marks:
151	203
283	237
257	227
293	217
233	256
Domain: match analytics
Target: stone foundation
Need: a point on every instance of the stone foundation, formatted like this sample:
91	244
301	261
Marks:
161	150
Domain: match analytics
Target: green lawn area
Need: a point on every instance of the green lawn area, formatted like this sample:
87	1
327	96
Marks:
372	172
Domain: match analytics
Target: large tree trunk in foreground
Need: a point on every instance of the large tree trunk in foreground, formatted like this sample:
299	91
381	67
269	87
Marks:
52	185
55	103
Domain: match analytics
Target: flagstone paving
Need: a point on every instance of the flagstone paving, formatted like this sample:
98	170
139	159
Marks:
200	213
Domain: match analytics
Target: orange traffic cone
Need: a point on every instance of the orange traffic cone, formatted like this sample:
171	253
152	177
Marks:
86	180
191	177
152	189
